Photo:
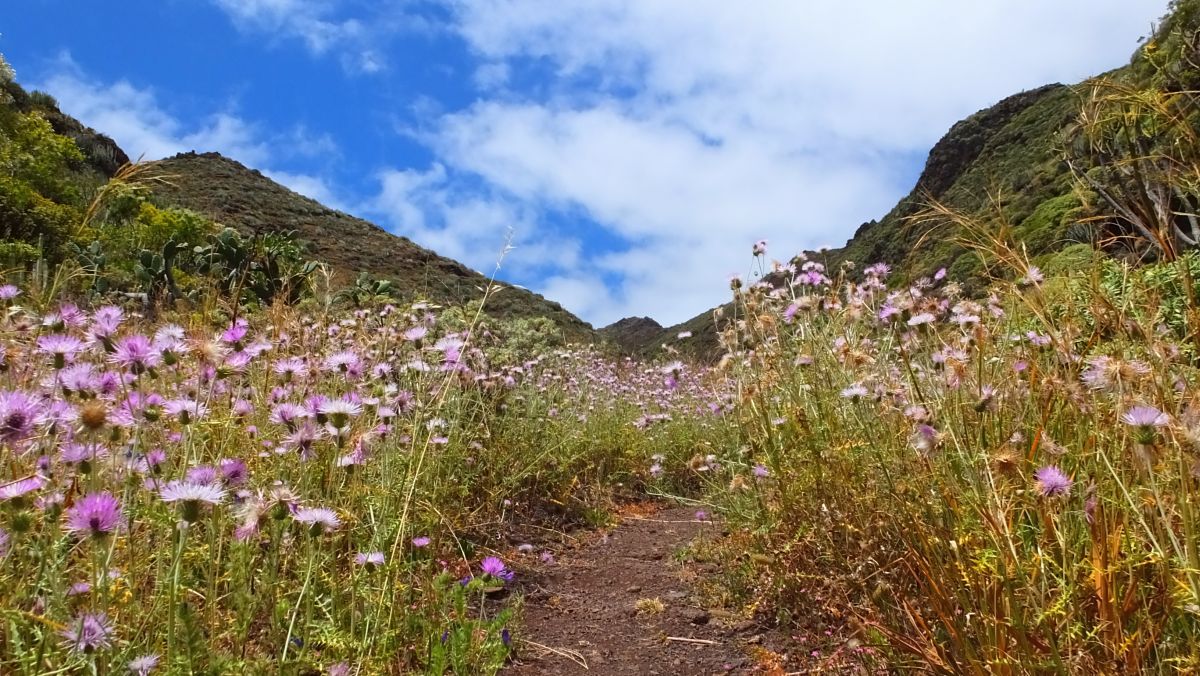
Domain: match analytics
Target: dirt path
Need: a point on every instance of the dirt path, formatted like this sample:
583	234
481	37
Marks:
583	608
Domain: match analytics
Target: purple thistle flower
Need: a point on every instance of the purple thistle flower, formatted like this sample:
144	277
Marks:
185	409
344	362
61	347
97	515
188	491
236	333
292	367
921	319
339	411
88	633
142	666
761	471
105	322
495	568
1145	420
1051	482
78	378
1033	276
234	471
136	353
421	541
242	408
289	414
17	490
19	413
318	519
201	474
1145	416
193	496
855	391
9	292
369	558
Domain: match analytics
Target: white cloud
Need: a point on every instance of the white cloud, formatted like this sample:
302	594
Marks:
144	129
490	76
469	225
690	128
313	187
134	118
323	28
297	18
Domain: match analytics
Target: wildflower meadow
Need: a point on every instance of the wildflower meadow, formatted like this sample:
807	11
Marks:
290	492
1003	481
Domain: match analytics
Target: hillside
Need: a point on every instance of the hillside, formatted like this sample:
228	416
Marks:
57	166
1009	149
239	197
631	333
1004	164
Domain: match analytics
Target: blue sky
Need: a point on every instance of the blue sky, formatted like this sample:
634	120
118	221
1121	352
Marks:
634	148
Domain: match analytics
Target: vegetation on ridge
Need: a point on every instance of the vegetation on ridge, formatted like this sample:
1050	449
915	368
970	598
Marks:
912	470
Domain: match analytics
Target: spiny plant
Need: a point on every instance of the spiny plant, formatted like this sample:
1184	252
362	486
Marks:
297	491
977	484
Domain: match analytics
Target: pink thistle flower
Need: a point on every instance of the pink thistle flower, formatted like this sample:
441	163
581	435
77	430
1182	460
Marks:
339	411
15	491
136	353
1145	416
854	391
97	515
234	472
192	496
1033	276
105	322
88	633
1052	483
61	348
344	362
188	491
18	416
142	666
371	559
318	519
186	410
921	319
494	567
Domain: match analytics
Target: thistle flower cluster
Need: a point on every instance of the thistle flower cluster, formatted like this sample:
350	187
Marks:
217	459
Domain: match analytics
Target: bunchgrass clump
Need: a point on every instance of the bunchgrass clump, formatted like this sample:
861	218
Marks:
973	484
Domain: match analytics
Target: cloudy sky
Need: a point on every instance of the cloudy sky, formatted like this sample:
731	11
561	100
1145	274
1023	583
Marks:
636	148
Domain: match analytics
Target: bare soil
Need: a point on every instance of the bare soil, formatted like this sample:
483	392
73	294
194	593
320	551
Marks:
581	612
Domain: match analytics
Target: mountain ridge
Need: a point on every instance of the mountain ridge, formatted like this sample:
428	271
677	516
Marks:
241	197
1010	149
